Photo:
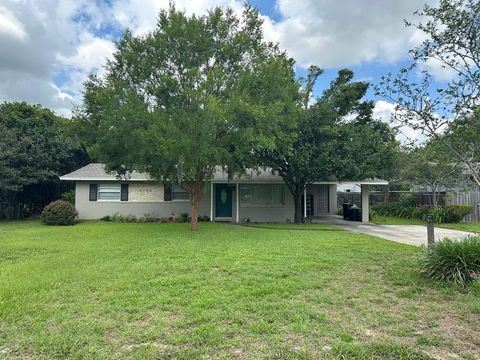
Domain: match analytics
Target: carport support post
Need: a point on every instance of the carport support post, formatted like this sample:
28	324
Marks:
430	232
211	201
305	203
365	203
237	212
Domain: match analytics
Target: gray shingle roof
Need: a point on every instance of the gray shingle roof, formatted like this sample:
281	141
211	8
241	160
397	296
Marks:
96	171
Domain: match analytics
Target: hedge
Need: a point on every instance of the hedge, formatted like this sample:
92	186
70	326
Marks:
441	214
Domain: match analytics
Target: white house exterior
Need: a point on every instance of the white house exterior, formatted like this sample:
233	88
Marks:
257	197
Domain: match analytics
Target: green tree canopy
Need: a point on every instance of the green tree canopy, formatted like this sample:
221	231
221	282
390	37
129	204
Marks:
334	139
195	93
34	149
452	32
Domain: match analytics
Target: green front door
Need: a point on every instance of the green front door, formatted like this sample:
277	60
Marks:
223	201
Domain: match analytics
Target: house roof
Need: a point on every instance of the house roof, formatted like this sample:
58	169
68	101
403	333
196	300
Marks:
97	172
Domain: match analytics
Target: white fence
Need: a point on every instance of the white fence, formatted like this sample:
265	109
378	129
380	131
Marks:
471	197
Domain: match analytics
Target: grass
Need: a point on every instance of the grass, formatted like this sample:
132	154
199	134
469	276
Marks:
470	226
149	291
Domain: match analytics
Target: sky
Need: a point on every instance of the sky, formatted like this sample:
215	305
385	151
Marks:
48	47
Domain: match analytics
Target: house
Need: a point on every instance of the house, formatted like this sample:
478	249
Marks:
256	196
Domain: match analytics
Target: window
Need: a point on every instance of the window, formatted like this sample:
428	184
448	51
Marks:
174	192
179	194
262	195
109	192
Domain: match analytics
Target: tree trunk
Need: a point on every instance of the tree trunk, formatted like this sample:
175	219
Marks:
386	194
196	196
194	220
298	219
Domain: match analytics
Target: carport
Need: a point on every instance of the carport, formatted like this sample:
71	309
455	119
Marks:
365	186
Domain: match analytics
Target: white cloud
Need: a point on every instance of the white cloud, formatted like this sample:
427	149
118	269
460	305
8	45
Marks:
436	68
43	40
333	33
10	26
384	111
28	61
141	15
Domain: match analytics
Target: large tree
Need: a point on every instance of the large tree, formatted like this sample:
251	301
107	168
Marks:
335	138
452	31
196	93
34	150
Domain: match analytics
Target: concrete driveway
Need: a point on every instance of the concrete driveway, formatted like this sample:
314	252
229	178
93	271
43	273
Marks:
405	234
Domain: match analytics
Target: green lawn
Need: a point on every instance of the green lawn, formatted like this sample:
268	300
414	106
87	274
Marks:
470	226
148	291
391	220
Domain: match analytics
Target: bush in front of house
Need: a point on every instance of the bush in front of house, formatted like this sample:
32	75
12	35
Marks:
147	218
454	261
59	212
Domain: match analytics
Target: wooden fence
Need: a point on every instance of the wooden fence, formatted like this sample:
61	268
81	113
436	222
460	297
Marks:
471	197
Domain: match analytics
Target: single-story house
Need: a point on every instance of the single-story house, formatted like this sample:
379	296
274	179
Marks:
256	196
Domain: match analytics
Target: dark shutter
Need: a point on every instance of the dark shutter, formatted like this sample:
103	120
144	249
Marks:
93	192
167	192
124	192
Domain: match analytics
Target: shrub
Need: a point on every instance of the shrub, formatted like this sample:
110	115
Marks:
183	217
407	200
455	213
68	196
59	212
441	214
455	261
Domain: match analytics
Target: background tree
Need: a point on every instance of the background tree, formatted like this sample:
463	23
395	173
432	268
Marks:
326	145
431	169
452	30
34	150
196	93
464	135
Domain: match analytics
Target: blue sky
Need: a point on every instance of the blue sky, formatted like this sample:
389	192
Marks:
48	47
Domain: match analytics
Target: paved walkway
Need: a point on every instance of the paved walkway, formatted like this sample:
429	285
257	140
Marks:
405	234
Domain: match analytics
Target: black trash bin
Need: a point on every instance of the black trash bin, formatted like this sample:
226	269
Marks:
346	211
355	214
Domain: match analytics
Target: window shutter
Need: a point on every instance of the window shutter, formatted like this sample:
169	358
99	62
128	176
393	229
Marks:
93	192
167	192
124	192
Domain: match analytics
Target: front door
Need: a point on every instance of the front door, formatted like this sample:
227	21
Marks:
223	201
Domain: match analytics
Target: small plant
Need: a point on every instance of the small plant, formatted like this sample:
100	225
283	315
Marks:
183	217
59	212
454	261
123	218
